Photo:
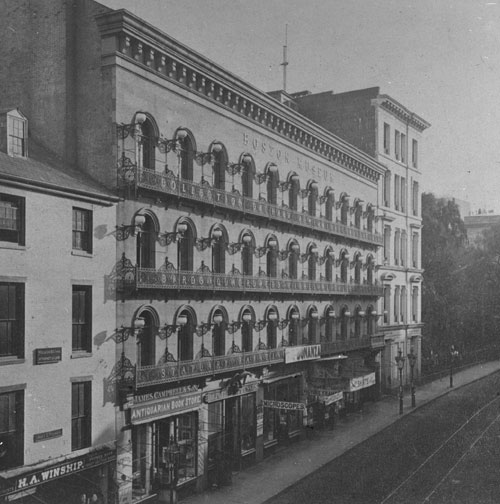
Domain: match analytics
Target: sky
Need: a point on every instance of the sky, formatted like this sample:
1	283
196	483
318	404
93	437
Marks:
439	58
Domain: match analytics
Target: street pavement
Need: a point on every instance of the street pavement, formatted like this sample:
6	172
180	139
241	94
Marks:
267	478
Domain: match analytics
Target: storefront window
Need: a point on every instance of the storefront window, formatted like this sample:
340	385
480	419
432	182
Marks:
141	463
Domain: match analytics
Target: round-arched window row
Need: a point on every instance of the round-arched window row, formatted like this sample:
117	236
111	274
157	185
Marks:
218	171
187	338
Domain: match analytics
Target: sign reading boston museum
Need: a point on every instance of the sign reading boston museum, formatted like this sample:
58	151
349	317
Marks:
149	411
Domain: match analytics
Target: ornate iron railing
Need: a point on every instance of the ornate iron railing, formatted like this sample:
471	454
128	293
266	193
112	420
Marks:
333	347
168	184
206	366
160	279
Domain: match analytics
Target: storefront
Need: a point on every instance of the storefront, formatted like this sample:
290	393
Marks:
87	479
283	409
231	430
161	428
325	406
360	388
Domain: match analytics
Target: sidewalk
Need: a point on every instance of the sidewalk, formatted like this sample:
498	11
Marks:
269	477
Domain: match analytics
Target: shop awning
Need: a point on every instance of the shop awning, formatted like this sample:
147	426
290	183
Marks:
272	379
359	379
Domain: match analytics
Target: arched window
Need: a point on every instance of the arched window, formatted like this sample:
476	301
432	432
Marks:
219	251
271	328
329	323
312	326
247	253
369	270
329	260
219	334
344	209
294	327
272	184
357	269
146	339
344	264
357	322
272	257
329	204
344	323
219	166
186	155
185	337
293	258
293	192
311	262
358	212
370	321
247	176
147	145
369	219
312	198
247	330
185	248
146	243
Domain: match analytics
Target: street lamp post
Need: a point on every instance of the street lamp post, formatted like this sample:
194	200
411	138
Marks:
412	359
400	361
173	454
453	356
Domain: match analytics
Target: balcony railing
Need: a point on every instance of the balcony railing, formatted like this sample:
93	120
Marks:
206	366
146	278
333	347
168	184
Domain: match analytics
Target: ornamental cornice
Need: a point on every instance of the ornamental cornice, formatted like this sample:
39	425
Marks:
395	108
127	36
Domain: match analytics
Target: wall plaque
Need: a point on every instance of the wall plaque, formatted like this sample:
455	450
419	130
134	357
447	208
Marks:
43	436
48	355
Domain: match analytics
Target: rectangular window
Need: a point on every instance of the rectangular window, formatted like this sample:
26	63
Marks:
387	188
82	230
12	428
387	244
397	191
397	144
415	198
11	320
397	245
403	194
404	246
414	250
82	318
17	134
81	415
387	303
414	304
387	138
397	299
403	148
12	219
414	154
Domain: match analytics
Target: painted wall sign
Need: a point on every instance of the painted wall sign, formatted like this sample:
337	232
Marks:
48	355
159	409
60	470
284	405
161	394
43	436
302	353
361	382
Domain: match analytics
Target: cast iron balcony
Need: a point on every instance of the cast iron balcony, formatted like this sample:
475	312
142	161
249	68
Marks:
145	278
135	178
206	366
338	346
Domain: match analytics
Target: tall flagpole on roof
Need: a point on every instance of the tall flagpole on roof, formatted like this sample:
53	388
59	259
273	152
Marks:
285	61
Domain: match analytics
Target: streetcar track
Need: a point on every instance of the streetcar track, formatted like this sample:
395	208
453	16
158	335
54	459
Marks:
440	448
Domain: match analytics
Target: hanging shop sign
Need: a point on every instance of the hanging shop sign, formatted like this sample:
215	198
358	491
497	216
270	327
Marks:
60	470
162	394
284	405
302	353
327	396
159	409
219	395
361	382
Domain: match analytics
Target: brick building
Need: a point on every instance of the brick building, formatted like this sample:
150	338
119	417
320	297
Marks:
240	291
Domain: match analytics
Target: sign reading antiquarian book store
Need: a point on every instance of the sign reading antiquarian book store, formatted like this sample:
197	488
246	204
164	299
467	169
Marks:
158	409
